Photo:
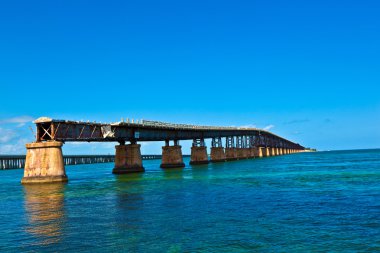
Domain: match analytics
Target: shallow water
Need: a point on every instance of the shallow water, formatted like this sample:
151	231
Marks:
312	202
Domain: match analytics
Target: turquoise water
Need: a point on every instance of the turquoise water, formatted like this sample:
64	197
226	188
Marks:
312	202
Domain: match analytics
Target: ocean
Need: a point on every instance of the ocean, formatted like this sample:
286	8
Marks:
306	202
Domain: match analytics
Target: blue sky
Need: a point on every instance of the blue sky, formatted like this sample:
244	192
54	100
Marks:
308	70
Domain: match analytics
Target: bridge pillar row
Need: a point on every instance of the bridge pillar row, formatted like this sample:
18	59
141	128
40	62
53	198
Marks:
44	163
172	156
128	159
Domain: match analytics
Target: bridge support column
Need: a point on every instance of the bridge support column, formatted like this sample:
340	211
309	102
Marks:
44	163
231	154
242	153
258	151
281	151
247	153
266	152
128	159
252	153
198	152
217	154
172	156
272	151
198	155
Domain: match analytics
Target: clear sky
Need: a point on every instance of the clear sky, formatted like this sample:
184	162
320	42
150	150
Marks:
307	70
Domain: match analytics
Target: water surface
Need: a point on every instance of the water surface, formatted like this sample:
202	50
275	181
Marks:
311	202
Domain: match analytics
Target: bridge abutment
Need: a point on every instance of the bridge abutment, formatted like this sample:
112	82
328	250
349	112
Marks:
128	159
44	163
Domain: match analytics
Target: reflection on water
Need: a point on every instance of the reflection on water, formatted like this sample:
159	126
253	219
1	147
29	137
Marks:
314	202
44	207
173	173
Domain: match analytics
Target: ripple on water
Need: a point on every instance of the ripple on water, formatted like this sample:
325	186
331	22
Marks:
314	202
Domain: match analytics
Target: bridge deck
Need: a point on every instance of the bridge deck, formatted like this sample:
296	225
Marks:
63	130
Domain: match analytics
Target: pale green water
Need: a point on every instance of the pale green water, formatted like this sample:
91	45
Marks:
313	202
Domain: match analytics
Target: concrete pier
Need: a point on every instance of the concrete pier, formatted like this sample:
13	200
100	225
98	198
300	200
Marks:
44	163
258	152
241	153
198	155
217	154
252	153
247	152
231	154
128	159
266	152
172	157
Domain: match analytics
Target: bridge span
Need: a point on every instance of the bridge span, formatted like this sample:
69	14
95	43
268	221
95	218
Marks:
44	158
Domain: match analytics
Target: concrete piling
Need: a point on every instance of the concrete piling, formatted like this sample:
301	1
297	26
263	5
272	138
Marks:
44	163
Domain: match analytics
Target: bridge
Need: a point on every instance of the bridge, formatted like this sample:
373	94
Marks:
44	158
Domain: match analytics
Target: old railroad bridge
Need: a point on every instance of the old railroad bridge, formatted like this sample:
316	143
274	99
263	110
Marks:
44	159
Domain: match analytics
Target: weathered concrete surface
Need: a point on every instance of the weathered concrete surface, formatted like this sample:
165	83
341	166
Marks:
44	163
281	151
172	157
252	153
258	151
241	153
128	159
266	152
247	153
198	155
217	154
231	154
272	151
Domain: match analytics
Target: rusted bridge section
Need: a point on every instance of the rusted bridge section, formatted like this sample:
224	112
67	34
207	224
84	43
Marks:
44	160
